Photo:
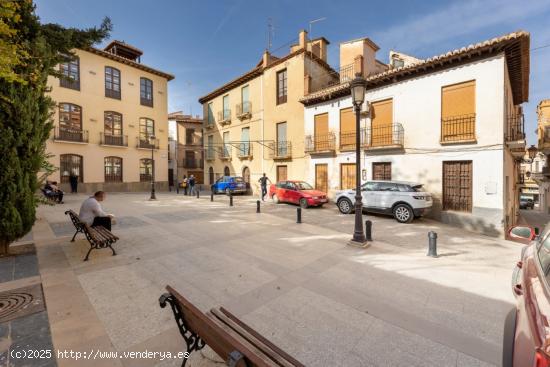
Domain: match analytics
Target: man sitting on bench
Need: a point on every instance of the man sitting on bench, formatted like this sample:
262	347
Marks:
92	213
52	191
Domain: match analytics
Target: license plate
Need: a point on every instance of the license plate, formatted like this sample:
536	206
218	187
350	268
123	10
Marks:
323	200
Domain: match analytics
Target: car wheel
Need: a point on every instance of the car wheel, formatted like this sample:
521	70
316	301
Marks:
403	213
345	206
303	203
275	199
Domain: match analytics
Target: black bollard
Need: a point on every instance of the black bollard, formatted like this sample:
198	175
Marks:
299	215
432	244
198	193
230	199
211	196
257	206
368	230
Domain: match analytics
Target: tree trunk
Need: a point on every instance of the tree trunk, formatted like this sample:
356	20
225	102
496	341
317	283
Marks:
4	247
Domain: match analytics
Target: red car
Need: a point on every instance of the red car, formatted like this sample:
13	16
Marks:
526	330
297	192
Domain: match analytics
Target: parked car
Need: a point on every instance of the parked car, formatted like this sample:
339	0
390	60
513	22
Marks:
229	184
525	203
297	192
402	199
526	333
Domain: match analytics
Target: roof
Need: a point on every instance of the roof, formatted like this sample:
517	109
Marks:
180	117
123	44
364	39
129	62
514	45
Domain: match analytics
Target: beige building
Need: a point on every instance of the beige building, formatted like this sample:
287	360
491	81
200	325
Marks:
255	123
189	157
107	109
543	131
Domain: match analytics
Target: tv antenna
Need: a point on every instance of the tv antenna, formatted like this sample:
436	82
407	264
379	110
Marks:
270	33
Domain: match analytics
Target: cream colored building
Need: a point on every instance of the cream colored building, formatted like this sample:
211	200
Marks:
107	108
543	131
188	152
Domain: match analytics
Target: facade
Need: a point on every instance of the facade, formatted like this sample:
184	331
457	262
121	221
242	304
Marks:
453	123
108	106
543	131
530	169
254	124
189	156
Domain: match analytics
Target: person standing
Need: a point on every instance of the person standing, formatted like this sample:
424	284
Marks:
92	213
192	182
73	180
263	184
184	183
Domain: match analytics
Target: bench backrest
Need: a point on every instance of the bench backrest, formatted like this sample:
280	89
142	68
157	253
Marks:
75	219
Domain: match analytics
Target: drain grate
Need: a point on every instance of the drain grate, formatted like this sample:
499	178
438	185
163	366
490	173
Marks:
20	302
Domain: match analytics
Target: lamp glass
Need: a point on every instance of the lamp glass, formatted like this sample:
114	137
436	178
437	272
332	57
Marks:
532	150
358	93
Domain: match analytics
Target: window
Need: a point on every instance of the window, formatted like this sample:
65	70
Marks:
113	128
226	171
226	145
226	109
385	186
347	176
146	130
113	169
281	173
71	163
210	147
282	146
281	87
189	136
210	114
381	133
70	123
245	99
112	82
321	140
397	62
146	92
245	142
70	71
457	186
381	171
458	110
347	129
146	166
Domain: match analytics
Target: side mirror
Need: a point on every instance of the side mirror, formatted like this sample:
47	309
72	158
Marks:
537	231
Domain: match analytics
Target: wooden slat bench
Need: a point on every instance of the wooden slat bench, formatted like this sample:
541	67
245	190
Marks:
235	342
98	237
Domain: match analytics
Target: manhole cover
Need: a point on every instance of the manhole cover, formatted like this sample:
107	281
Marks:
20	302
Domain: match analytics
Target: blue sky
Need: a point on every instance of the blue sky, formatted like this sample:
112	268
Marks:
206	43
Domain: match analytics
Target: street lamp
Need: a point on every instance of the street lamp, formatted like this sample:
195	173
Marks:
532	151
152	143
358	87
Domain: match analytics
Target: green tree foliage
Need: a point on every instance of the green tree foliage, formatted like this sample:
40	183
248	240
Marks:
33	52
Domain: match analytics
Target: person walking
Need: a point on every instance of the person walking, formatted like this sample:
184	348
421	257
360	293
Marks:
263	184
73	180
192	182
184	184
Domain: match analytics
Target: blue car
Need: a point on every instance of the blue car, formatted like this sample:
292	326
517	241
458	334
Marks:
229	184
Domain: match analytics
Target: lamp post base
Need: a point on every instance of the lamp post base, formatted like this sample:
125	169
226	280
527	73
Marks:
365	244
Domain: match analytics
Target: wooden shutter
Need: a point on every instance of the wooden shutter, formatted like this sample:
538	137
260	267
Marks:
281	173
321	131
458	111
347	176
321	177
381	171
457	186
347	129
381	122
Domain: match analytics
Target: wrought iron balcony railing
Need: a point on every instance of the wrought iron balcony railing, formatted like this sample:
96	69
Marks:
515	128
146	101
224	117
347	140
280	150
210	153
458	128
64	134
192	163
320	143
225	152
146	144
244	110
383	137
71	83
244	150
116	140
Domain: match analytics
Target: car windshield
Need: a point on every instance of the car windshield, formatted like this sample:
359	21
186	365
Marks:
239	179
303	186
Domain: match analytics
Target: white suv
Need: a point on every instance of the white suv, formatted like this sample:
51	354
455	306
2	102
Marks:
404	200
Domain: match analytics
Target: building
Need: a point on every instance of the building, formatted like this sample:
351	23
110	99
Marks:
543	132
189	146
255	123
530	169
452	122
108	107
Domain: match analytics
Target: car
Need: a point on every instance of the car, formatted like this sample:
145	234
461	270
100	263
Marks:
403	200
526	338
297	192
525	203
229	185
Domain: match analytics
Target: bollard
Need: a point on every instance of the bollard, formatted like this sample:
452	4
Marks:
198	193
257	206
368	230
432	244
299	215
211	196
230	199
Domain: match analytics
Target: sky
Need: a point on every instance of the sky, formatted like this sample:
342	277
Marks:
206	43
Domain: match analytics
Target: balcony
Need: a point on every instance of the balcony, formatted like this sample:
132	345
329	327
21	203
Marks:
192	163
244	110
521	177
71	83
225	153
384	137
244	151
515	136
209	123
193	143
458	129
224	117
544	136
145	144
280	150
70	135
210	154
320	144
146	101
113	140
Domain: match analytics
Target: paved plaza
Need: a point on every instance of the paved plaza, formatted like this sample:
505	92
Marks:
299	285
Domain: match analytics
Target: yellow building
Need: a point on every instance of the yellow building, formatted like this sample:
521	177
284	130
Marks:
188	151
543	177
255	123
107	109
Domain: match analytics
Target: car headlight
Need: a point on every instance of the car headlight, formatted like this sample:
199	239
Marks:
419	197
315	197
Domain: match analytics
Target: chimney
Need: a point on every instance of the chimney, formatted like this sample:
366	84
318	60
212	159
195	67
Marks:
302	38
265	58
364	47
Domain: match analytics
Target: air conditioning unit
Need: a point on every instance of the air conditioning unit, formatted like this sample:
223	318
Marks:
365	108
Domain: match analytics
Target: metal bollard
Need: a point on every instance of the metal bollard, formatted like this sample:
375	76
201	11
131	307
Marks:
257	206
432	244
230	199
198	193
299	215
211	196
368	230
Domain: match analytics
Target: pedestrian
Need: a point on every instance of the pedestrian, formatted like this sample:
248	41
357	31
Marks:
263	184
53	191
184	184
73	179
192	182
92	213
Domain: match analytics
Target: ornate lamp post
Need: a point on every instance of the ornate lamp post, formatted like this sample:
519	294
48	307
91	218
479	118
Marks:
532	151
358	87
152	143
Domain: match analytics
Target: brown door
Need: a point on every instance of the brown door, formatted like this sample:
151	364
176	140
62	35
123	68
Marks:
321	177
458	111
321	132
381	123
281	173
381	171
457	186
347	129
347	176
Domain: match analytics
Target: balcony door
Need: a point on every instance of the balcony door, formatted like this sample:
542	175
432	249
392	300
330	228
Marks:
70	122
458	108
321	132
112	128
347	129
381	123
281	140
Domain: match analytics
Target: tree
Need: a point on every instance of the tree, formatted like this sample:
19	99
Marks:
34	51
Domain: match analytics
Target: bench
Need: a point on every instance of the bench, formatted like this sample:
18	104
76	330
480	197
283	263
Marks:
98	237
235	342
49	196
